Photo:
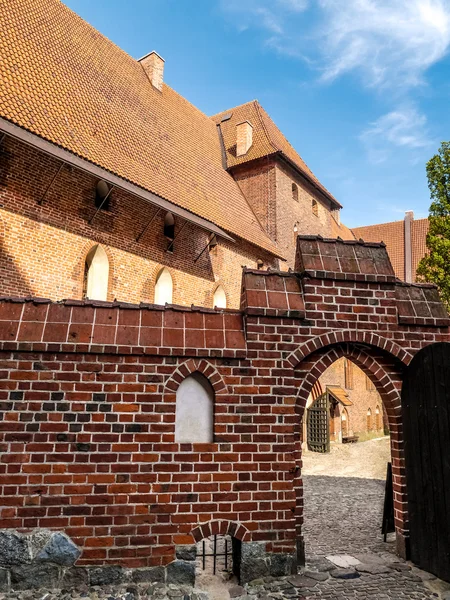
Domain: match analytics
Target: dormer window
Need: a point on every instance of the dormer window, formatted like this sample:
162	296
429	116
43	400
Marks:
169	226
102	195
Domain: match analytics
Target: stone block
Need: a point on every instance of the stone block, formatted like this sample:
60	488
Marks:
236	591
186	552
4	580
75	578
254	561
151	574
38	540
344	574
181	572
35	576
59	550
109	575
282	564
14	549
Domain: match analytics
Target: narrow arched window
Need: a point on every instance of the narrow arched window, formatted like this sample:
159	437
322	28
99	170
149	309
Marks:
102	195
96	274
344	423
315	207
220	299
194	410
169	226
377	418
295	192
369	420
164	288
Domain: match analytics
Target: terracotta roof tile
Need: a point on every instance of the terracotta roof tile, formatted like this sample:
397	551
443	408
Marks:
64	81
393	235
267	140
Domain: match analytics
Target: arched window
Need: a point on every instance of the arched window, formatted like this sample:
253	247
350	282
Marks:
295	192
344	423
96	274
369	420
169	226
220	299
377	418
194	410
315	207
164	288
102	195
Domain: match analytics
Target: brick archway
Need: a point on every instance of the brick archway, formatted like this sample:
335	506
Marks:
385	371
354	337
200	366
222	527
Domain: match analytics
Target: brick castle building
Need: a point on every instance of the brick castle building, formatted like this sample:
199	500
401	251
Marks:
119	197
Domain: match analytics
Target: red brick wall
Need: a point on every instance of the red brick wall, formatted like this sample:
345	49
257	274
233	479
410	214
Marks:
43	247
258	184
290	212
88	408
267	186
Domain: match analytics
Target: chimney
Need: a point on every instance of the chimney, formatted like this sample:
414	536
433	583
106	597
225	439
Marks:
153	66
244	138
409	218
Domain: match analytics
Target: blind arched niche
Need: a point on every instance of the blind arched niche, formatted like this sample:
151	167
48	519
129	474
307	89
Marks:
194	416
220	299
97	274
164	288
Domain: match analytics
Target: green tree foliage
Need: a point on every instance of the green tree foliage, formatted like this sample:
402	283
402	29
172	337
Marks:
435	266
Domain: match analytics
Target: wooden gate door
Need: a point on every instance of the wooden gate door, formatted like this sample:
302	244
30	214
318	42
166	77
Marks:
318	425
426	426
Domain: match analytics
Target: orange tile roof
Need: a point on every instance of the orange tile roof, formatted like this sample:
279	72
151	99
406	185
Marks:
267	140
392	234
339	395
341	230
65	82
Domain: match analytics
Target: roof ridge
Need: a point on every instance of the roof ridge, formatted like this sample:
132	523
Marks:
258	111
232	108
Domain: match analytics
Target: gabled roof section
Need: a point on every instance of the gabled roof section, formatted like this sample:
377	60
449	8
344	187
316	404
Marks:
267	140
63	81
339	395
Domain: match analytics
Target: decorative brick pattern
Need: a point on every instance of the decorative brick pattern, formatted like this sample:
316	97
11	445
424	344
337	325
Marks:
88	401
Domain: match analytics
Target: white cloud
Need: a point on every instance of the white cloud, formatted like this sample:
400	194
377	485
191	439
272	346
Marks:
388	42
402	128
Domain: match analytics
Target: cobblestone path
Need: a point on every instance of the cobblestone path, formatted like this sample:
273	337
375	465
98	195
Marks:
342	516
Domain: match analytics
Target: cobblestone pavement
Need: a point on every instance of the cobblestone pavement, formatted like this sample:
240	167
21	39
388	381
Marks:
342	522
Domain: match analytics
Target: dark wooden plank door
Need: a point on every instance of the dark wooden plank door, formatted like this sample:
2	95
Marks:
426	427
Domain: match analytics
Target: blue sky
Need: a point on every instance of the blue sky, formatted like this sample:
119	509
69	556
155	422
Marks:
361	88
